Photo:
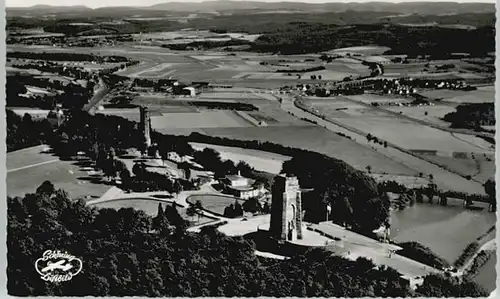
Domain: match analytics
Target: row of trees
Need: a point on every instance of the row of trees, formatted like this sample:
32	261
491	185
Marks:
168	261
224	105
66	56
251	205
431	191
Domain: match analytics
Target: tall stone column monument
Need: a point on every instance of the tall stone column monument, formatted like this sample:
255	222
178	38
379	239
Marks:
286	208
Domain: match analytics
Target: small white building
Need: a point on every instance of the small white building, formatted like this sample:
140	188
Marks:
242	187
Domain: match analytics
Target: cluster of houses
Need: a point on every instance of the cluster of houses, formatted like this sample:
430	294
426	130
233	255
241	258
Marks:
63	41
395	87
170	86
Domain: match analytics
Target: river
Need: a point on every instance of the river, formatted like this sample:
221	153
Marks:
445	230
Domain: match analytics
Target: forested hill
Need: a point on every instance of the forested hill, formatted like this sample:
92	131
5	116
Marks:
432	40
423	8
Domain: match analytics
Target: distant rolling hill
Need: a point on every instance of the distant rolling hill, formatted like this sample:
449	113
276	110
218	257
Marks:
424	8
421	8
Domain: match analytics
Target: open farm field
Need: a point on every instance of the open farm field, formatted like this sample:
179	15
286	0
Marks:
462	166
317	139
402	132
260	160
431	114
334	75
264	75
348	67
212	75
14	70
480	169
130	114
213	203
202	119
436	76
185	70
363	50
379	99
466	76
484	94
159	70
487	170
29	168
403	69
441	93
479	142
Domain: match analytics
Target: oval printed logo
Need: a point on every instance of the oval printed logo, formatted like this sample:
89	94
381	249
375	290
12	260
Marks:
57	266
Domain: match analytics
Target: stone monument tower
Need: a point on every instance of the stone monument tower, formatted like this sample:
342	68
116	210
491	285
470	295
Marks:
286	208
145	126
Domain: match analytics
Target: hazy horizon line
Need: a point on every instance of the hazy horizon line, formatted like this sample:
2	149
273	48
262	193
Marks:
85	3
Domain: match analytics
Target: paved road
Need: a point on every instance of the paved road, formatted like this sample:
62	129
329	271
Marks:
32	165
444	179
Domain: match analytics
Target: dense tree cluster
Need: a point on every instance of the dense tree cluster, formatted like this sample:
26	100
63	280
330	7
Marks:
16	86
489	188
482	258
306	70
233	210
157	257
468	252
211	160
472	116
423	254
354	197
168	220
224	105
205	45
435	41
24	132
438	286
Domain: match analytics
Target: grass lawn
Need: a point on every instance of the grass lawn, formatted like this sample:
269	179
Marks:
150	207
213	203
202	119
63	174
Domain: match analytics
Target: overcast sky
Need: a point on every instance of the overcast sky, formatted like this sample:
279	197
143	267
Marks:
101	3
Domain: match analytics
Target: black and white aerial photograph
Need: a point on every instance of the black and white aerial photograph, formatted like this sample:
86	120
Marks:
261	148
